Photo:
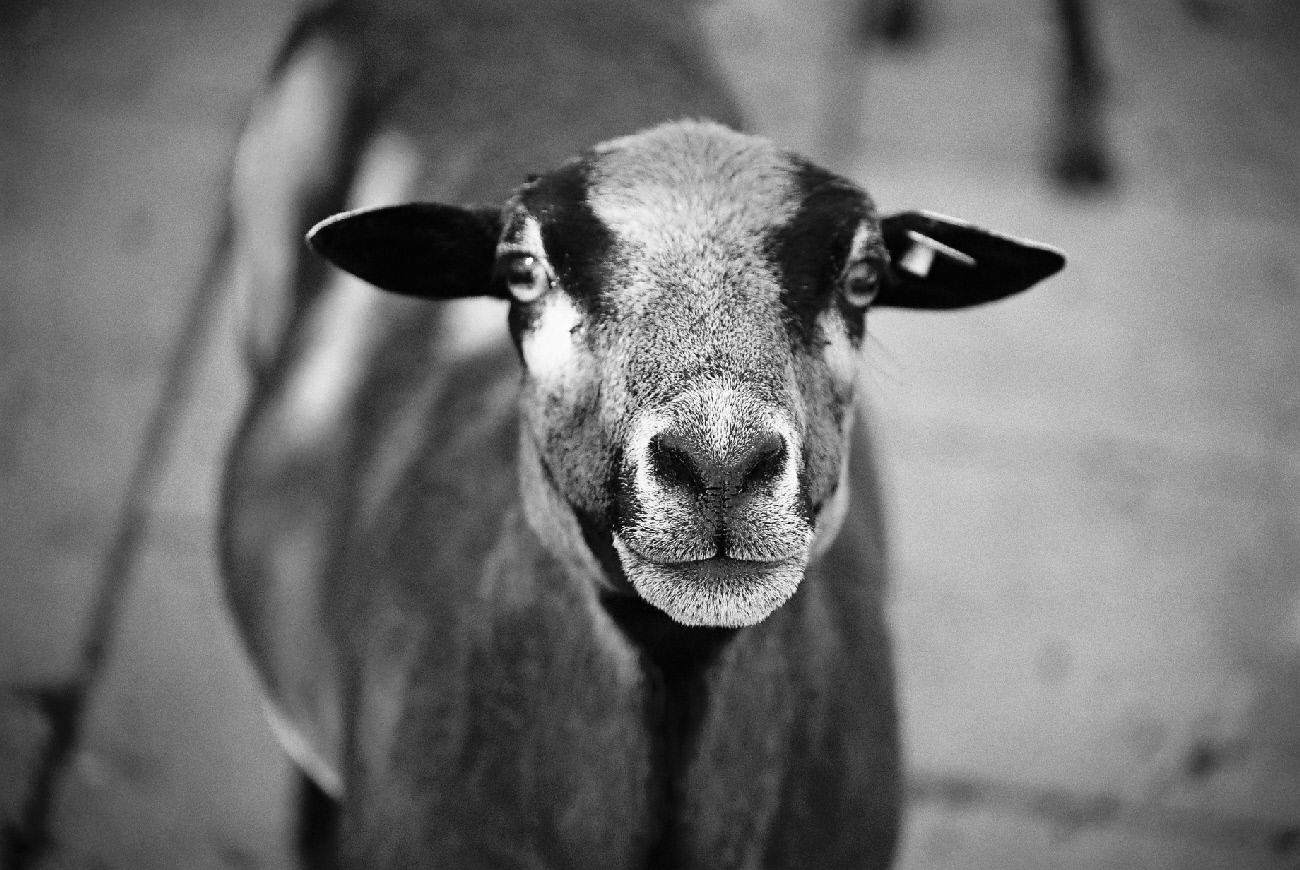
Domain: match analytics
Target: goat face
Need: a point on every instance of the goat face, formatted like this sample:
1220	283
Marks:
687	302
688	339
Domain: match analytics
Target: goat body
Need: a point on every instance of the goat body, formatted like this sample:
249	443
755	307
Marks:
624	610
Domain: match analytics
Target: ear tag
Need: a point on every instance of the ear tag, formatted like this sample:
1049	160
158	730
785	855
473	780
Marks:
920	256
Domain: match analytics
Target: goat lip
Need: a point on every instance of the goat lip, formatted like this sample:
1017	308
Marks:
724	566
716	560
717	591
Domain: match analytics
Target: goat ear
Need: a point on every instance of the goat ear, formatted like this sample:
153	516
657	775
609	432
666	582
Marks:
422	249
941	262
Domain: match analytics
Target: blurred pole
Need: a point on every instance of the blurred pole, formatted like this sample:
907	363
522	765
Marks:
1079	159
64	703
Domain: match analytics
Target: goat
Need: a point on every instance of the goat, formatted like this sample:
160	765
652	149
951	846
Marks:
622	608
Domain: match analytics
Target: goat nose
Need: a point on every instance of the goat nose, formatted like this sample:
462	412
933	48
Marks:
743	463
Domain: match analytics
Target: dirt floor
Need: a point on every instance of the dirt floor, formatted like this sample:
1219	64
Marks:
1094	488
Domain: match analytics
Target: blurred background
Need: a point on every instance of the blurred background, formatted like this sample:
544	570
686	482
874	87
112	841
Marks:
1094	489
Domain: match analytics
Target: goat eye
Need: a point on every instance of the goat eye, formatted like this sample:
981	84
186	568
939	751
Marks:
526	278
861	284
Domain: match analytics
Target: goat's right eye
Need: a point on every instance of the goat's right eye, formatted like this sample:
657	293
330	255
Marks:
526	277
861	284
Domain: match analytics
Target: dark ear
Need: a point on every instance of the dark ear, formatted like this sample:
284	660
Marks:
420	249
941	262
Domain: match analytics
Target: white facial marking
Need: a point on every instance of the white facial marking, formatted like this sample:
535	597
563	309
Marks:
865	238
549	346
840	355
527	239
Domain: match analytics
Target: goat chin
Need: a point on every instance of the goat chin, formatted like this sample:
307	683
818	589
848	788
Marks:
719	592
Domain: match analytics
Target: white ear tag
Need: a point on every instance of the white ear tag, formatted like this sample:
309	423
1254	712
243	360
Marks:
920	257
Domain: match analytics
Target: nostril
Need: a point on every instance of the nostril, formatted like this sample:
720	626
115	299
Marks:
767	459
751	463
672	462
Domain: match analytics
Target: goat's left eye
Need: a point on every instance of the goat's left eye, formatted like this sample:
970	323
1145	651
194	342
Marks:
861	284
526	277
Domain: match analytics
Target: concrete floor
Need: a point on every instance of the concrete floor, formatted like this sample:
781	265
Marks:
1095	506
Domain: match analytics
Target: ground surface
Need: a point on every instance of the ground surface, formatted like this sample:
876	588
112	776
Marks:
1095	488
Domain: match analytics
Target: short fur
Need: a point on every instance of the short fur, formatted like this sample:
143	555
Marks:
624	611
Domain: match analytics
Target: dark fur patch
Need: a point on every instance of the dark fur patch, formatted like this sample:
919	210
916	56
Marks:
810	250
675	658
577	241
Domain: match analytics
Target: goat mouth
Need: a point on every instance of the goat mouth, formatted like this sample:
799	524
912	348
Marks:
721	551
717	591
721	568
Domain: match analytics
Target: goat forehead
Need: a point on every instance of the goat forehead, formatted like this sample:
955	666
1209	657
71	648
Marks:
688	188
727	242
